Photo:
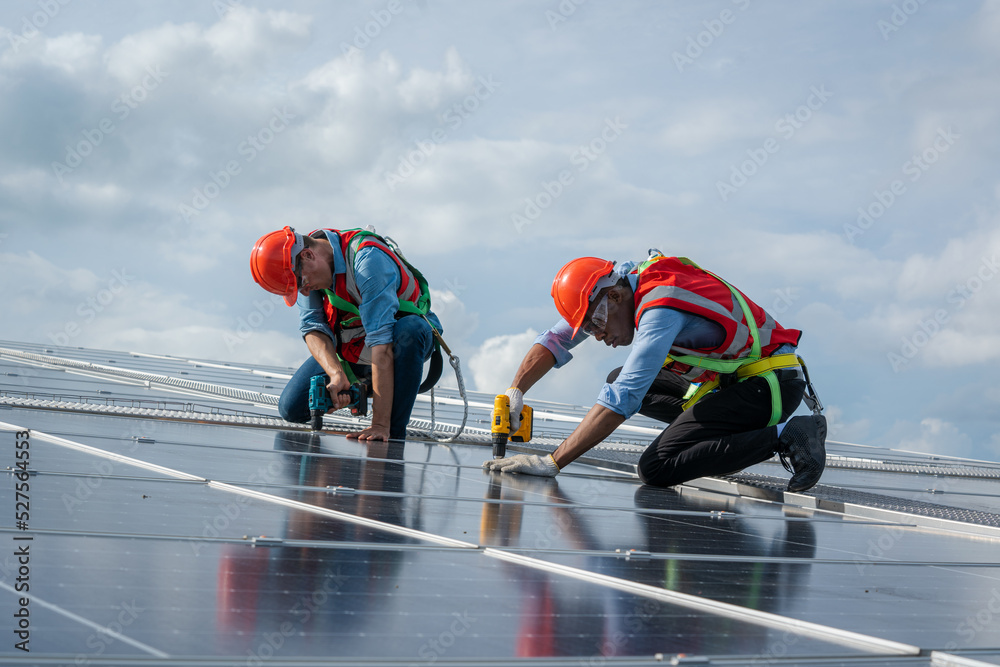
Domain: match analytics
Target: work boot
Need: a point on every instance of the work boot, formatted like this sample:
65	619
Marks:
803	441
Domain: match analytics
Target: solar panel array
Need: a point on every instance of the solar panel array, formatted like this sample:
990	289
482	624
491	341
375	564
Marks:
164	514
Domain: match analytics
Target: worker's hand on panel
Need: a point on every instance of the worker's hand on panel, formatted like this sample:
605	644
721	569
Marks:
525	464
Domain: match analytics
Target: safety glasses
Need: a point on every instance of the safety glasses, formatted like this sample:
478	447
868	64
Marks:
298	272
599	319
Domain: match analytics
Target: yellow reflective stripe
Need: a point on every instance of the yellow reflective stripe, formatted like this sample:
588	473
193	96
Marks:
727	365
777	362
703	390
764	368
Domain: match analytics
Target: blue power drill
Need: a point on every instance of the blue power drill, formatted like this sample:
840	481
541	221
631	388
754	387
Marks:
320	401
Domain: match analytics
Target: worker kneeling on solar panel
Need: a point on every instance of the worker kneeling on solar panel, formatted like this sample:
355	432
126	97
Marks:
705	358
366	312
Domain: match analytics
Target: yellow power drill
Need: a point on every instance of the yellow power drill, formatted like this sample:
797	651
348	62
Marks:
500	426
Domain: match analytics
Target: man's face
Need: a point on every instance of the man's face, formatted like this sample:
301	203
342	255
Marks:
312	272
620	327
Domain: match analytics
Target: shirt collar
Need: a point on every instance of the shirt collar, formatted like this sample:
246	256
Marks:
339	264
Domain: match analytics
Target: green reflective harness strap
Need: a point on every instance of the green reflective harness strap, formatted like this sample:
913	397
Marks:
351	377
727	366
421	308
423	305
772	382
341	304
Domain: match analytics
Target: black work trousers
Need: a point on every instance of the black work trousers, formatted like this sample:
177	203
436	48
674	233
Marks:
723	433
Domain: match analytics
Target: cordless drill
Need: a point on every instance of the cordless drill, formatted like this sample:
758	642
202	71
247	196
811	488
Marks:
500	426
320	401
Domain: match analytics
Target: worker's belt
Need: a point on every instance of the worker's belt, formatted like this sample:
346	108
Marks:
751	366
765	368
777	362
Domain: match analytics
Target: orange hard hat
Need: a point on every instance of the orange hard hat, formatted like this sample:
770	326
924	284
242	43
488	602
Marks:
272	261
573	288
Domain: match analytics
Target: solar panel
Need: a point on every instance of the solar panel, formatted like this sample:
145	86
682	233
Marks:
175	519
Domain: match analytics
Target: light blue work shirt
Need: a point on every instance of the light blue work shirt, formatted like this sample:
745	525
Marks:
378	280
658	330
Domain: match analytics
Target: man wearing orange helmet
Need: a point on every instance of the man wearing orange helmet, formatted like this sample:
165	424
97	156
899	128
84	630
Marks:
688	326
366	310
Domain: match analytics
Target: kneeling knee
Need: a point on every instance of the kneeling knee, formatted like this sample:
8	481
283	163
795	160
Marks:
409	331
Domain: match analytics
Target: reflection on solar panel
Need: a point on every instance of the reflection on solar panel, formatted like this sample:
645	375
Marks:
163	513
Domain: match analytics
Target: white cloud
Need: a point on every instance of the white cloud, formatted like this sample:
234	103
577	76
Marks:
241	41
245	36
579	382
425	90
74	54
841	429
931	435
459	323
115	310
494	364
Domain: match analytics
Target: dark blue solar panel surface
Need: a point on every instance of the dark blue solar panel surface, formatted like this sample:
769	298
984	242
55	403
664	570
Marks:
332	549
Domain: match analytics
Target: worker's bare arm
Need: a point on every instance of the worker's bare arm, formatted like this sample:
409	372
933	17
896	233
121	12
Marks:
599	423
536	363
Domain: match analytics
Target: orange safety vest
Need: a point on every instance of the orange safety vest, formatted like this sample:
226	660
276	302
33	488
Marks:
676	282
341	305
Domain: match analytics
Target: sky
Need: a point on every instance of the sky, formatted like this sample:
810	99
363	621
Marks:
836	160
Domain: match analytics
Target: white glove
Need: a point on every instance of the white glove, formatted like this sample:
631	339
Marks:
516	406
525	464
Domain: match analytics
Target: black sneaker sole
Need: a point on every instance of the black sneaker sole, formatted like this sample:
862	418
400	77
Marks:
813	430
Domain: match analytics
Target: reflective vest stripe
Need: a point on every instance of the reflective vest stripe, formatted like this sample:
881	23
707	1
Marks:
341	304
679	283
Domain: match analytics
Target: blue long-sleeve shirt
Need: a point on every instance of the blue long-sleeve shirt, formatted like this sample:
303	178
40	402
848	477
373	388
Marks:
378	280
658	330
